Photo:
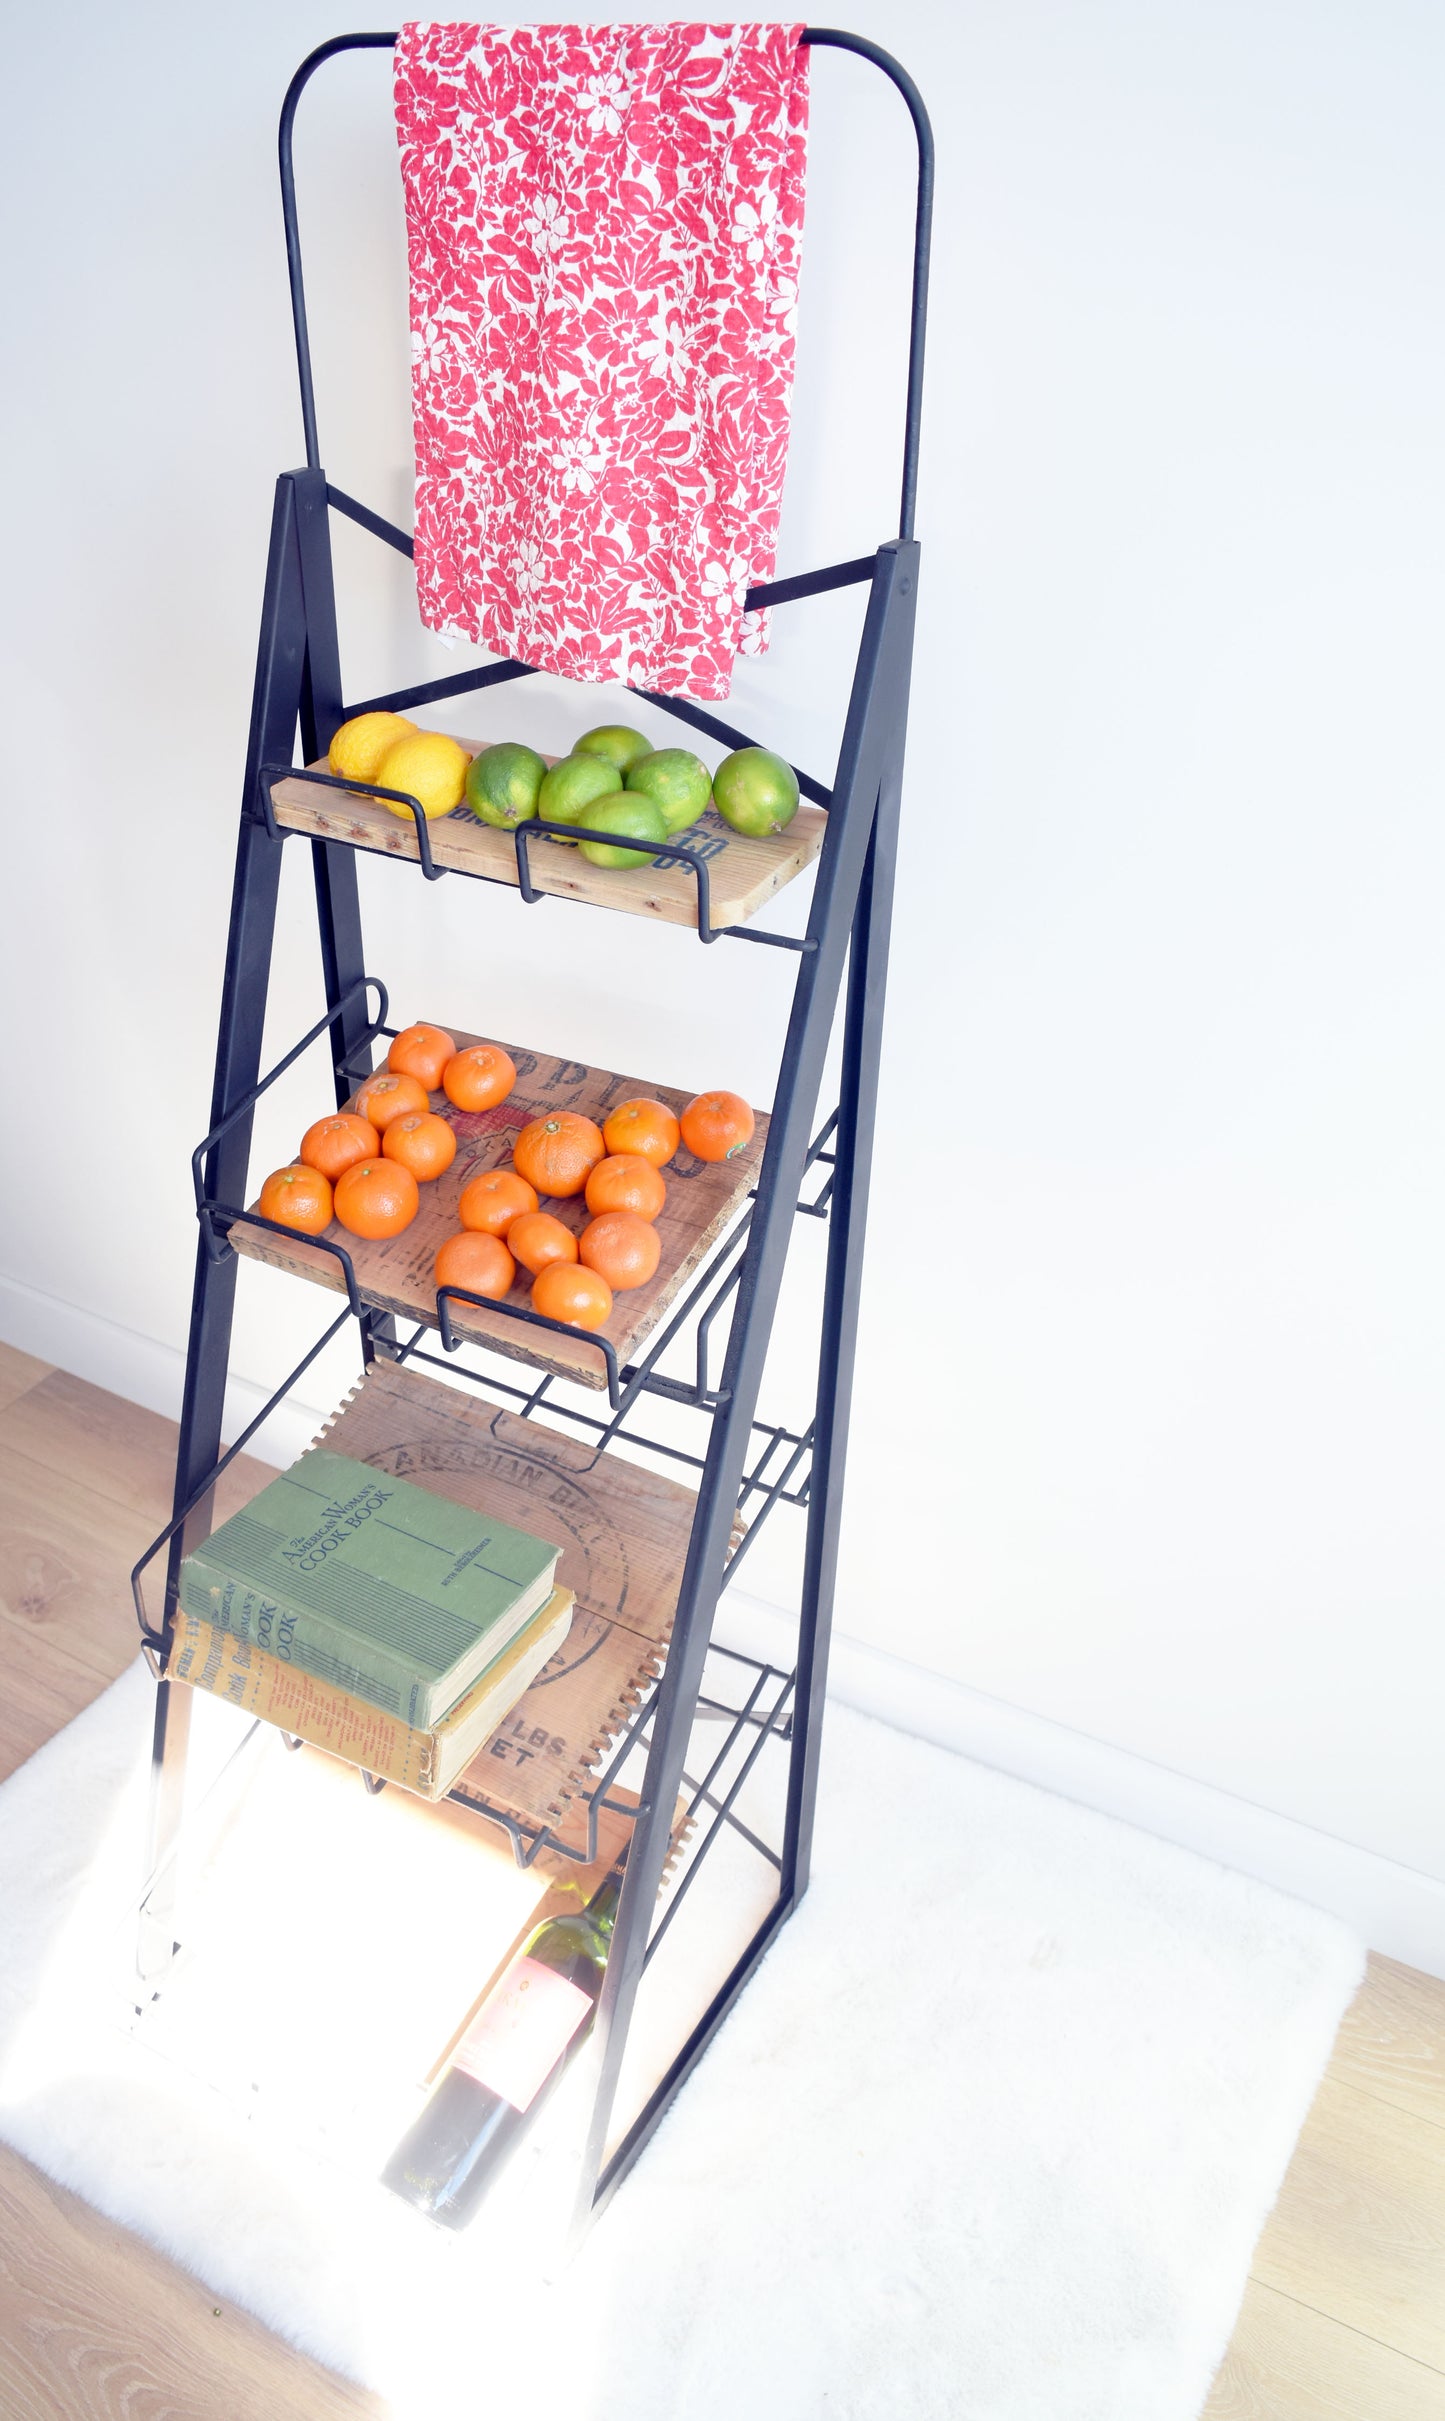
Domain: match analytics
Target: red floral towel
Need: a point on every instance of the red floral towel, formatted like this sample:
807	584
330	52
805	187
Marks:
603	226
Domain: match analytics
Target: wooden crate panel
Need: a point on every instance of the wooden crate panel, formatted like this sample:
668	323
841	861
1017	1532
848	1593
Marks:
702	1196
743	874
623	1532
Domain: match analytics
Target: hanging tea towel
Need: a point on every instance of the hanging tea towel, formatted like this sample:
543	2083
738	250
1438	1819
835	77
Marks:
603	226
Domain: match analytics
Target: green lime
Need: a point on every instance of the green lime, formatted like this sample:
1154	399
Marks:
573	784
503	782
756	792
622	812
677	781
616	742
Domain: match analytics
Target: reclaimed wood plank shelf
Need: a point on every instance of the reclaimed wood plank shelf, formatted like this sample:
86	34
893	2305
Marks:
623	1532
658	1494
744	874
396	1276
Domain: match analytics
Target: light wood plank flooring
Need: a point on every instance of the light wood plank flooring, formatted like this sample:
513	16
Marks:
95	2325
1344	2318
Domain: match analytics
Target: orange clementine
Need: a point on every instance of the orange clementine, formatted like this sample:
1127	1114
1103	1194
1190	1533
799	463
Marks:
479	1077
298	1197
336	1144
422	1142
479	1264
422	1052
564	1290
377	1198
537	1239
557	1154
717	1125
385	1097
622	1248
490	1202
648	1127
626	1182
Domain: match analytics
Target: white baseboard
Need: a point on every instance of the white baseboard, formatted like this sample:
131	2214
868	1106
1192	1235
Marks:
142	1369
1394	1909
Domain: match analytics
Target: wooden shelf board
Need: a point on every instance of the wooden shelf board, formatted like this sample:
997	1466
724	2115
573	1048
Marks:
702	1197
743	874
623	1532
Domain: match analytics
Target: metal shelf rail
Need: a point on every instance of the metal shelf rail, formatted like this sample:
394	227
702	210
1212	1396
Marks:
742	1464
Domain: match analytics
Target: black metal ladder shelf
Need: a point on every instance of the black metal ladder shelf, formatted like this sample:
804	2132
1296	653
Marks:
743	1466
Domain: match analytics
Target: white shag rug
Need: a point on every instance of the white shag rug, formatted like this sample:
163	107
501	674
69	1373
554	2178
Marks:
989	2137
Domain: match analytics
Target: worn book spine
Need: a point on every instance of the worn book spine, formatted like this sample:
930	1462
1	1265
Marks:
427	1762
234	1668
299	1636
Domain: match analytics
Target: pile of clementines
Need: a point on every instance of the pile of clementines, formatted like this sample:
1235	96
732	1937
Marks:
365	1166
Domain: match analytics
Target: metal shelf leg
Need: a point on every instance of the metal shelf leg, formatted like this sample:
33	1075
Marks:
170	1738
334	866
869	761
276	704
862	1038
858	1102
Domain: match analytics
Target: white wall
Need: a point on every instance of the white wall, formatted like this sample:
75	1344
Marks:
1149	1407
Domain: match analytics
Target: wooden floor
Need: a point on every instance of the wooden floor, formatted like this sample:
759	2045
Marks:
1344	2318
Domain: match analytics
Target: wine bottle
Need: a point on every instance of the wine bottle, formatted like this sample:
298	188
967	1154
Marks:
506	2063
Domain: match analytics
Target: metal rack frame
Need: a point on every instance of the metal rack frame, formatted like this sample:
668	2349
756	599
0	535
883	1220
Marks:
742	1464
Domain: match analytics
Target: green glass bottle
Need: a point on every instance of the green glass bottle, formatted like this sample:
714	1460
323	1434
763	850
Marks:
507	2062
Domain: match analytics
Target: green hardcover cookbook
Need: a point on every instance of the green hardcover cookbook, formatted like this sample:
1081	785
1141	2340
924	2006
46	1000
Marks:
373	1585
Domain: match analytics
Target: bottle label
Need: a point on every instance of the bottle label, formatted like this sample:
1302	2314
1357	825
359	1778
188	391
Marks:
517	2037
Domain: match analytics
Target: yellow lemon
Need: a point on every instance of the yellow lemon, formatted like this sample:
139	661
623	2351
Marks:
432	766
360	745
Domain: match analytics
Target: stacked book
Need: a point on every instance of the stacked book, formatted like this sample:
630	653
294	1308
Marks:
391	1626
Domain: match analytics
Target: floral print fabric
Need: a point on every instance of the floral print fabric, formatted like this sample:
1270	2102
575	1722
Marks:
603	227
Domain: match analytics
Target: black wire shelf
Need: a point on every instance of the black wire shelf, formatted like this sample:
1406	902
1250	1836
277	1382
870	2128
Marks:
461	836
777	1472
755	1709
703	1302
